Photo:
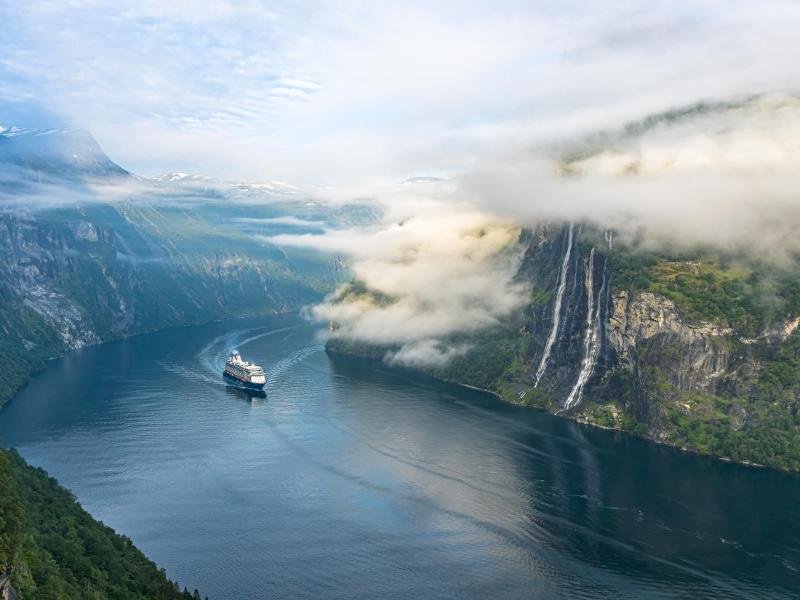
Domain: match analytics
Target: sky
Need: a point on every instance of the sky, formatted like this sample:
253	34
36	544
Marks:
355	93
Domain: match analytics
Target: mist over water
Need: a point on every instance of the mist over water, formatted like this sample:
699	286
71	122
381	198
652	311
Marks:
354	480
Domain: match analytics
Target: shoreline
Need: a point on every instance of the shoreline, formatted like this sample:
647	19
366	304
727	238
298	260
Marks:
576	419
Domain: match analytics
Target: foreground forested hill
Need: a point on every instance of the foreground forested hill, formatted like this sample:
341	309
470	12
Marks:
53	549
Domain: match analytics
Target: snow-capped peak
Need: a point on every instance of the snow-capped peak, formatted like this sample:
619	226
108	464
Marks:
176	176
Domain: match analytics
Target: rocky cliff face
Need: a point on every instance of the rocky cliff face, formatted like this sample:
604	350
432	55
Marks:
80	275
634	359
6	589
90	253
581	334
566	334
646	332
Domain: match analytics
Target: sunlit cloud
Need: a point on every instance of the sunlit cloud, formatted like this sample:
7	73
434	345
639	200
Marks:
429	269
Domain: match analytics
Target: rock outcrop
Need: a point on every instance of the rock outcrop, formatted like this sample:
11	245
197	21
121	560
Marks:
652	342
6	589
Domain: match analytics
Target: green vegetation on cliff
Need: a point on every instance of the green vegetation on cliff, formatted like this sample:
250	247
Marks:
491	357
756	423
749	413
20	356
738	292
58	552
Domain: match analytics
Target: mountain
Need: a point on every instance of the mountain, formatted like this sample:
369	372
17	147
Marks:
274	189
65	153
700	350
678	319
96	254
697	349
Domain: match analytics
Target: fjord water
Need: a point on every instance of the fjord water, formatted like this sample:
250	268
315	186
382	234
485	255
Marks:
353	480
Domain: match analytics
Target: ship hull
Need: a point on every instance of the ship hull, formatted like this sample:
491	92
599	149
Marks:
245	385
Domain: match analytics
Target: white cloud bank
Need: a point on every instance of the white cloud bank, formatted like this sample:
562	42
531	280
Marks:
443	267
725	175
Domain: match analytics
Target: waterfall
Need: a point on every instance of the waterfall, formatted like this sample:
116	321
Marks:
562	284
609	238
591	340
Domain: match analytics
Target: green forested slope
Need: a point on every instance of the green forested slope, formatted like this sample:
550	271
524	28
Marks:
59	552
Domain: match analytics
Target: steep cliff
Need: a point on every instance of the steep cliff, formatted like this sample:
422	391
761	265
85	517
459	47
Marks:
695	350
79	275
628	348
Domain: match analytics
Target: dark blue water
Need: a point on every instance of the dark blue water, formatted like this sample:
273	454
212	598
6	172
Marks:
355	481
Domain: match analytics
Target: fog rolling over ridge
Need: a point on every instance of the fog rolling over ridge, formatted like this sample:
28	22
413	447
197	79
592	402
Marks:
718	173
717	176
433	268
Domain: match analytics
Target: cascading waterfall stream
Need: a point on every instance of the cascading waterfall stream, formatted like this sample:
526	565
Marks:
591	340
562	284
609	238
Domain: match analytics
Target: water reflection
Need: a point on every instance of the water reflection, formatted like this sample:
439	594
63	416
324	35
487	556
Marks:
594	507
247	395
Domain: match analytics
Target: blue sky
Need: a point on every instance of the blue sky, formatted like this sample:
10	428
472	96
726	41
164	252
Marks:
347	93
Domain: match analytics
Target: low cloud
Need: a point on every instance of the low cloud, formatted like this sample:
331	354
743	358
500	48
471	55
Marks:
426	353
288	220
724	175
430	270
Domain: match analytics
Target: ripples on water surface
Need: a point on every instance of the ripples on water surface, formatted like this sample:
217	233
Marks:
351	480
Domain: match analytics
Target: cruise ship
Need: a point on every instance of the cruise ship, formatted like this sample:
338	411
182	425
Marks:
244	374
